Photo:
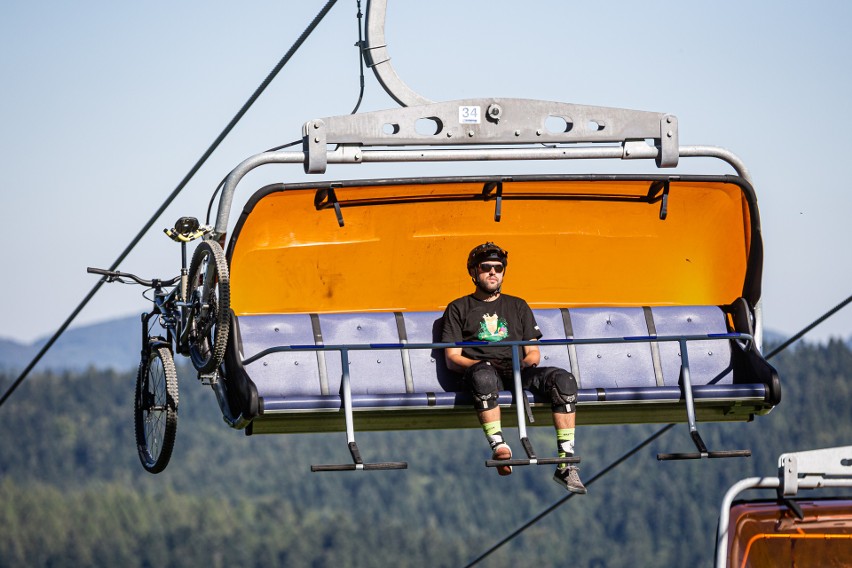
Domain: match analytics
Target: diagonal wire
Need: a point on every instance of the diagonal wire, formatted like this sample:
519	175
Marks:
815	323
287	56
650	439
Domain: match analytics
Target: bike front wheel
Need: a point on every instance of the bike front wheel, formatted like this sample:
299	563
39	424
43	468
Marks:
155	408
210	303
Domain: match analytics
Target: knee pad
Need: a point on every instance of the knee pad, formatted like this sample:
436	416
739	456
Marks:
484	383
563	391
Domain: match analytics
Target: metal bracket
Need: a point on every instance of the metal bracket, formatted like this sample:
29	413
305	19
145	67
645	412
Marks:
498	205
325	197
663	185
491	121
314	145
813	465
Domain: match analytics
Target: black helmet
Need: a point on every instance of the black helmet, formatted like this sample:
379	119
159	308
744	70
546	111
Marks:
487	251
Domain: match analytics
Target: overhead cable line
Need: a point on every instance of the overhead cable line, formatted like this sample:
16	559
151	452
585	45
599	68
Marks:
647	441
287	56
815	323
360	46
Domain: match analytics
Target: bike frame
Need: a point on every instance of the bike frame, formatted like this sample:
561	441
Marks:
171	306
172	317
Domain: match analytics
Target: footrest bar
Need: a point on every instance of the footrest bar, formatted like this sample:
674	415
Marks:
703	452
731	454
536	461
360	466
700	455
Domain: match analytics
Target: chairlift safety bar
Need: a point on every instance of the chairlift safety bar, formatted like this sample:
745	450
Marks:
521	402
541	342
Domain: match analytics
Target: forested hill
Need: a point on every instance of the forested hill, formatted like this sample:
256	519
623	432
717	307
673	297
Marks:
72	492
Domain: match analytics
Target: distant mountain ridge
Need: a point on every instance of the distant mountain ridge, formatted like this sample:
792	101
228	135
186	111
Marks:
114	344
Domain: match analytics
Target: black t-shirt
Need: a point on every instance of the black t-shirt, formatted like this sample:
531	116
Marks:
506	318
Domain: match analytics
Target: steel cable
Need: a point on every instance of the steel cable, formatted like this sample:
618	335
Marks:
813	324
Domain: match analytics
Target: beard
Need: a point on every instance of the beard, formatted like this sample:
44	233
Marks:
489	287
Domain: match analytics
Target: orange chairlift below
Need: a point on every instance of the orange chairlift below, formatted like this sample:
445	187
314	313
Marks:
791	530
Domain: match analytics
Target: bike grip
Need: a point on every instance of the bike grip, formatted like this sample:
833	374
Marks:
101	271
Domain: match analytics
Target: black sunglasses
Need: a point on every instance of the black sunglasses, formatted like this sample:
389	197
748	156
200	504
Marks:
487	266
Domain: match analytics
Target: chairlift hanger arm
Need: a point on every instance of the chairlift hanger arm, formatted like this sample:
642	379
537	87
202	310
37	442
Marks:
377	58
475	121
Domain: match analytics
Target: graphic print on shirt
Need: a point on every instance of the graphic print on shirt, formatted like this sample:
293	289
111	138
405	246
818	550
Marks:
493	328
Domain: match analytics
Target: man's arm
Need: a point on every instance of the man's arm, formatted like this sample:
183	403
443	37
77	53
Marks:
532	356
459	363
456	361
452	332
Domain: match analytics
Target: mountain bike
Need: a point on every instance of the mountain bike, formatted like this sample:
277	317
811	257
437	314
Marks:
190	316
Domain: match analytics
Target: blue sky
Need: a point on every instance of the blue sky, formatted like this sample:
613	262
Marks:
105	106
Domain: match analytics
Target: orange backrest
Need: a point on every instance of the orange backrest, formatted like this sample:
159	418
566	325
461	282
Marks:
571	242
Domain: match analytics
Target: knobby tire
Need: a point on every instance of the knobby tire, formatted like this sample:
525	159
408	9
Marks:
210	299
155	408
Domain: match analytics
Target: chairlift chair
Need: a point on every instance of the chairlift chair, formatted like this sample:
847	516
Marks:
646	286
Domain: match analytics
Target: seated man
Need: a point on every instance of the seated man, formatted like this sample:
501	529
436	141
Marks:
488	315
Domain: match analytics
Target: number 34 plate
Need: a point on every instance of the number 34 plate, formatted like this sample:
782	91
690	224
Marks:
469	115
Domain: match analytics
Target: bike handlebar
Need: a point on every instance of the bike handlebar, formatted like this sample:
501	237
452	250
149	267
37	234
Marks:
113	275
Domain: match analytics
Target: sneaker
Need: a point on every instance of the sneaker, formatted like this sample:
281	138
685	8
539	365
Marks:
502	452
569	478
